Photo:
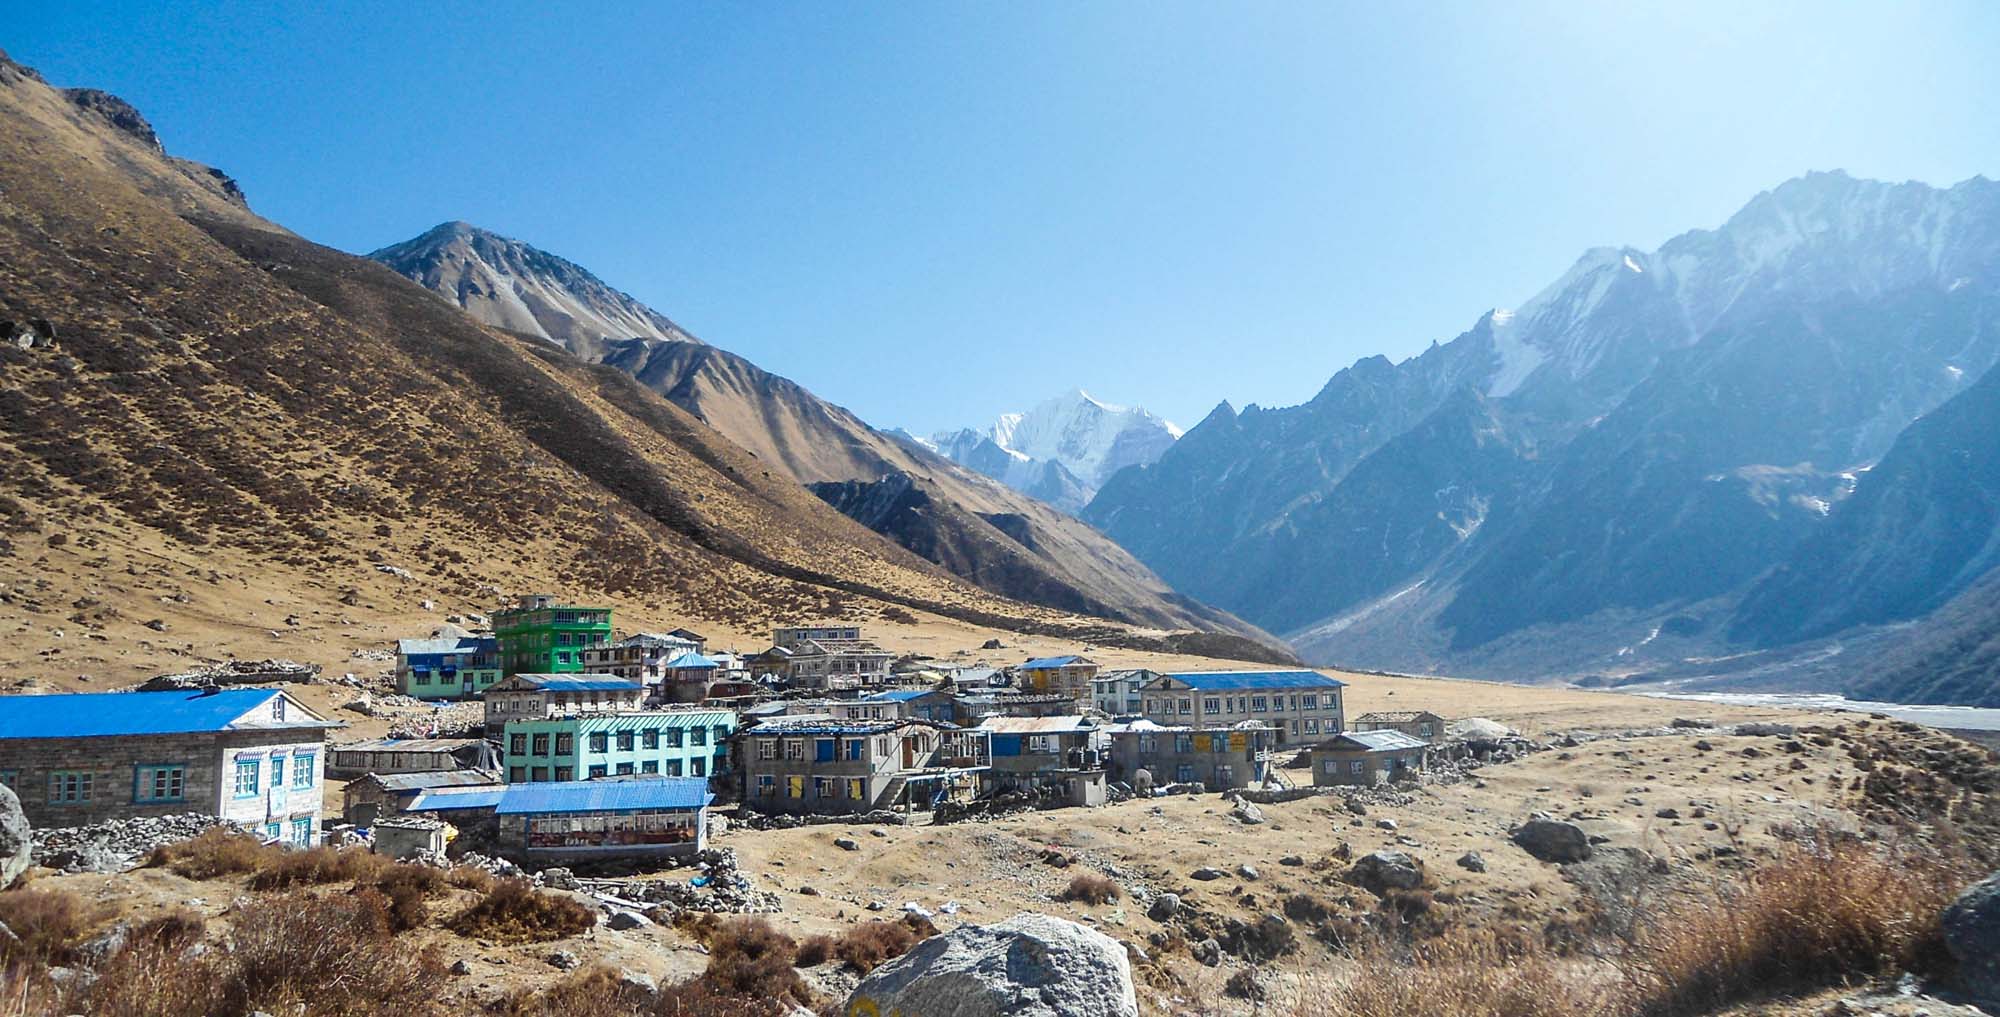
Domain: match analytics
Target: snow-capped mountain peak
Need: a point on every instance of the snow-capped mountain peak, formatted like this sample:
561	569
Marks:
1064	448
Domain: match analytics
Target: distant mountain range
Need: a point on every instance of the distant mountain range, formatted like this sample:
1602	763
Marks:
1061	451
1694	463
979	529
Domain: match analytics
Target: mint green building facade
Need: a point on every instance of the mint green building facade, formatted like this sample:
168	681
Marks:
540	636
666	743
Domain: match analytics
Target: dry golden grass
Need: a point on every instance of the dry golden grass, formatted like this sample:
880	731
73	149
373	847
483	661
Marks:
515	912
1092	888
47	926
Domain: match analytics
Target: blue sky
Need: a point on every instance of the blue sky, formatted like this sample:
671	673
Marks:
932	213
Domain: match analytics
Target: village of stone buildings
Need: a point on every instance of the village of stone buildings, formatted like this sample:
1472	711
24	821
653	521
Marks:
553	740
819	778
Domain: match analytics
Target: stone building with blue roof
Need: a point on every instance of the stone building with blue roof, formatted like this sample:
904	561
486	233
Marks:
249	755
1303	706
541	696
447	666
583	819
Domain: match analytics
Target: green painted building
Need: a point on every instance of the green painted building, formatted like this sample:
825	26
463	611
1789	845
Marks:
669	743
540	636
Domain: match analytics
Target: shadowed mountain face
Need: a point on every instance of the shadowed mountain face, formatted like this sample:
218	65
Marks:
208	386
1042	555
1659	431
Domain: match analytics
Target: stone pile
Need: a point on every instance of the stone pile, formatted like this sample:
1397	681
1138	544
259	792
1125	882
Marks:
759	821
722	889
115	844
416	718
235	672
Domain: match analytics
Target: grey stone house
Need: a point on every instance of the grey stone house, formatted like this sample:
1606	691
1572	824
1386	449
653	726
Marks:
1367	758
1147	755
826	765
249	755
1415	723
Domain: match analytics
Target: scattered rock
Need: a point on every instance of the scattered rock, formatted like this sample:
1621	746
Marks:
624	921
1386	824
1472	862
1553	840
1027	966
1667	813
1244	985
1972	934
461	968
1247	871
16	840
1292	861
1208	952
1384	870
847	843
1247	813
1206	873
1764	730
563	960
1164	907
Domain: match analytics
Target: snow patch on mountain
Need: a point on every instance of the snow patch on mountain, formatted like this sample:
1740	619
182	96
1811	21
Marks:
1063	449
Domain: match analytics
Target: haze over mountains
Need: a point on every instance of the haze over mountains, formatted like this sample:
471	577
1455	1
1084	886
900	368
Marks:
1660	464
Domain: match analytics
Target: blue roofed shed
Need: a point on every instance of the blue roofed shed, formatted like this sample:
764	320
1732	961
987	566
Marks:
591	818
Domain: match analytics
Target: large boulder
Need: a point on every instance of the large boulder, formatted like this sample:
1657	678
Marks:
1972	934
1027	966
1383	871
1553	840
16	846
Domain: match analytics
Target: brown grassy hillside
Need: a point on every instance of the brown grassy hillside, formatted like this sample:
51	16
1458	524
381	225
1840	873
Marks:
232	418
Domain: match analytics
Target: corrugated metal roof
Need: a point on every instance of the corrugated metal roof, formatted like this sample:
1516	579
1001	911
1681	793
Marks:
449	799
604	796
407	745
1376	741
897	695
1042	662
1205	681
581	682
449	644
427	779
105	714
827	724
1036	725
691	660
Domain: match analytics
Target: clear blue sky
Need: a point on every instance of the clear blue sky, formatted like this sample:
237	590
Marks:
932	213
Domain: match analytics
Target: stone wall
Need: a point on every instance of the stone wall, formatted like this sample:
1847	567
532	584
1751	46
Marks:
113	762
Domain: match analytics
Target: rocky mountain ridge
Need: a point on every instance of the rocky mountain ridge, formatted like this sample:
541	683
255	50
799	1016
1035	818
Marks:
1063	449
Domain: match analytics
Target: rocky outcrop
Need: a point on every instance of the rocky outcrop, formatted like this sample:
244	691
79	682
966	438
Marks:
1027	966
1553	840
16	844
1383	871
1972	933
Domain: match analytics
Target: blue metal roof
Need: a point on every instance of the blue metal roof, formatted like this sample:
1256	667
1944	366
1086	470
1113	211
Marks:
692	660
581	682
1206	681
103	714
1042	662
447	644
604	796
897	695
449	800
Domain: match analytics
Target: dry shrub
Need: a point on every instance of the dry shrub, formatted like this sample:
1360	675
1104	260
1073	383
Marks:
1463	974
471	877
814	951
1827	912
406	887
696	997
214	852
47	925
748	957
515	912
593	992
282	868
332	957
1092	888
867	945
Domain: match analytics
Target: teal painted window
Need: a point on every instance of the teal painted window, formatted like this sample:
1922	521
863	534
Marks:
624	741
277	773
599	742
159	782
302	831
303	769
651	739
565	744
541	745
697	736
517	744
650	766
70	787
673	738
624	768
247	772
272	831
565	773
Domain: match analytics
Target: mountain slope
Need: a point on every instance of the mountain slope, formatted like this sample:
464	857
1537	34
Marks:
510	285
1695	412
1038	554
224	400
1063	449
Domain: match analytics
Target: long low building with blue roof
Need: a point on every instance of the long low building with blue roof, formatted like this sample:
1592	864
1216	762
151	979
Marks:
1303	706
579	819
248	755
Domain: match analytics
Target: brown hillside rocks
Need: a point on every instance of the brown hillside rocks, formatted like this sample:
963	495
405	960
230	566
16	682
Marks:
1553	840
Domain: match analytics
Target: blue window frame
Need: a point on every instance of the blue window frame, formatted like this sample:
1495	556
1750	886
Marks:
303	769
71	787
854	747
277	773
273	830
247	774
159	783
302	831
